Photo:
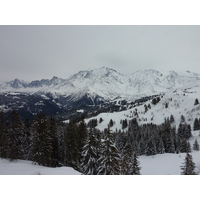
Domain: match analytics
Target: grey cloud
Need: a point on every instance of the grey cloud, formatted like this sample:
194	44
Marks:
35	52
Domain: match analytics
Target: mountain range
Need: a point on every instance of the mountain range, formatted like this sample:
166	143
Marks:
92	88
107	83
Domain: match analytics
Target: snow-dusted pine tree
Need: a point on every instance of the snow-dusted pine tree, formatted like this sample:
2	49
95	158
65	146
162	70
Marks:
126	158
71	142
109	162
150	148
196	125
15	136
89	162
134	165
160	149
42	144
196	145
188	167
53	132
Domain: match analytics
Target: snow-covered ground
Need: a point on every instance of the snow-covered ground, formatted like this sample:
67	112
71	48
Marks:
23	167
166	164
180	102
160	164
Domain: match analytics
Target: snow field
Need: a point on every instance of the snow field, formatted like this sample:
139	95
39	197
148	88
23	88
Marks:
179	103
23	167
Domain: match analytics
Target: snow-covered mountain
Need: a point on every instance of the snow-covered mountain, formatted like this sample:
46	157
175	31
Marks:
91	88
107	83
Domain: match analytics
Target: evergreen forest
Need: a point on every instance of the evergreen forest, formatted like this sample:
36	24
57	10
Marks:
51	143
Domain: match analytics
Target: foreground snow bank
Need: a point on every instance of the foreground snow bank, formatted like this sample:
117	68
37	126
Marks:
160	164
23	167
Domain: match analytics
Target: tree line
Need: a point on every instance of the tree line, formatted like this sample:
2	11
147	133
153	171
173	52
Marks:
48	142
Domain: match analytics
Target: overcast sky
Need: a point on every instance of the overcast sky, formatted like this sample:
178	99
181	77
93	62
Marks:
36	52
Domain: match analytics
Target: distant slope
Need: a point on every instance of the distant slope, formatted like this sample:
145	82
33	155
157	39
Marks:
176	103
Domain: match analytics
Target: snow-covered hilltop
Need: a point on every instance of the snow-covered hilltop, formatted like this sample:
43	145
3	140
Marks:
107	83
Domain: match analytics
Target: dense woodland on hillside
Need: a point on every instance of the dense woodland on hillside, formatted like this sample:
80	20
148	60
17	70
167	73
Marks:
51	143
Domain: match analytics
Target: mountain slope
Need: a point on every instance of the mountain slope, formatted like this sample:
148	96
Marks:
95	88
107	83
177	103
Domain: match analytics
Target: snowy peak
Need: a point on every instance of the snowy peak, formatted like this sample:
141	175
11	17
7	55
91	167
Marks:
95	74
15	84
108	83
161	81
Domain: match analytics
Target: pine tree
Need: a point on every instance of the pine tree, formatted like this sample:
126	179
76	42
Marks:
27	140
89	164
4	148
188	133
109	162
168	136
124	124
134	165
182	119
15	136
150	148
72	148
184	146
111	123
188	167
172	119
126	156
160	149
196	125
82	136
196	145
100	120
53	133
42	143
196	102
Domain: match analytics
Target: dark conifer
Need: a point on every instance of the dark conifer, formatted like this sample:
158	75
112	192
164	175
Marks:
172	119
188	133
126	158
134	165
124	124
42	142
4	148
72	147
196	102
196	125
100	120
196	145
82	135
160	149
27	140
53	132
150	148
189	166
111	123
89	162
15	136
109	162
